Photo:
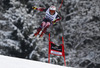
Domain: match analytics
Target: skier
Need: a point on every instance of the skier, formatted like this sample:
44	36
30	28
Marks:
51	17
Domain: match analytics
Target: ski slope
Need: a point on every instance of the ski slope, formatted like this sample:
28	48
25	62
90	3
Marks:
9	62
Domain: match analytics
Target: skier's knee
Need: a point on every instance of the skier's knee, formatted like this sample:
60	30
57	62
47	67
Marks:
48	24
43	24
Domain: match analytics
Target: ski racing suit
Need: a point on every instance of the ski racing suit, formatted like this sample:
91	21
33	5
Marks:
47	21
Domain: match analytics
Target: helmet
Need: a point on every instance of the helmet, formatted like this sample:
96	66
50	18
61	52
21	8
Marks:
52	8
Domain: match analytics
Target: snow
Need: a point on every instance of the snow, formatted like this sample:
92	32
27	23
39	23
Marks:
5	33
9	62
81	24
2	22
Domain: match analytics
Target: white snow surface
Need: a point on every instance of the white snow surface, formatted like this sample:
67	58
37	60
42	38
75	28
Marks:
10	62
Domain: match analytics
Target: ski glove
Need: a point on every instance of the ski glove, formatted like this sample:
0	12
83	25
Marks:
34	7
54	22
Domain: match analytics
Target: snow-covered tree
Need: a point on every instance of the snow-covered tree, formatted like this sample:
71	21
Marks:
80	26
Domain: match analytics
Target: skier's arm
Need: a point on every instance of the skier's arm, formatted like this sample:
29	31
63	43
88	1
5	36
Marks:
39	9
58	18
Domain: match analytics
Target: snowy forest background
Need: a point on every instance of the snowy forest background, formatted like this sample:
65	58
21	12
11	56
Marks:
80	22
